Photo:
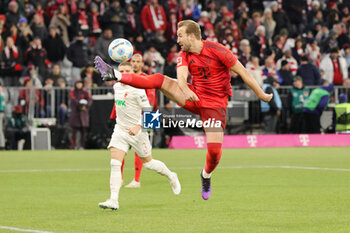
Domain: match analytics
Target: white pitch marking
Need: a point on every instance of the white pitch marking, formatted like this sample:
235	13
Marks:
178	168
23	230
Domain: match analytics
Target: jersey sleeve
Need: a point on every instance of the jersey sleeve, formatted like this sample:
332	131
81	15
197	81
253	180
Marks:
182	59
142	99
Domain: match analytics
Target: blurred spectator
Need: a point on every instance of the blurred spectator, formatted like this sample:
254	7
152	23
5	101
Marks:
61	101
79	20
38	27
296	99
258	42
32	73
13	15
90	72
212	12
54	45
79	54
41	13
227	22
154	59
210	34
298	50
271	110
2	117
25	34
285	74
11	59
115	19
345	53
280	17
140	44
171	28
17	132
153	18
309	72
269	70
330	42
48	93
294	10
102	43
80	103
322	35
134	26
244	51
13	33
25	98
293	64
160	44
61	20
189	10
88	84
343	37
335	67
56	74
94	22
170	65
37	55
312	51
269	23
2	24
255	70
253	25
314	107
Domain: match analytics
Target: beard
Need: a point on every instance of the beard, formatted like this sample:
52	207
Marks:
186	48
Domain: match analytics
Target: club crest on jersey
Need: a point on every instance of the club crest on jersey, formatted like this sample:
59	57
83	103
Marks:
179	61
125	95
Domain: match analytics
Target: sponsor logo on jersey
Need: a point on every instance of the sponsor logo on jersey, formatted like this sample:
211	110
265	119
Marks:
120	103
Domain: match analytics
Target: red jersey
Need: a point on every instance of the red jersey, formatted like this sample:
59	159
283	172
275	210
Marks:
210	70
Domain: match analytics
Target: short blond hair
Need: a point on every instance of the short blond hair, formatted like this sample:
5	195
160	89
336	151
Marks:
125	63
191	28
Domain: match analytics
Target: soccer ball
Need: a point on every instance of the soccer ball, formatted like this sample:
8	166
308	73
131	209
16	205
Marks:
120	50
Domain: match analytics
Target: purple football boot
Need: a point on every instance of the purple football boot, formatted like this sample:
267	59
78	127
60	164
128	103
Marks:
206	189
107	72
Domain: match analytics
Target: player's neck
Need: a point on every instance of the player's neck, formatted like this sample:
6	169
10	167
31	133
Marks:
197	47
138	72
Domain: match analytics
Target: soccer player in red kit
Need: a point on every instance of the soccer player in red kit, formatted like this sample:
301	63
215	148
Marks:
209	64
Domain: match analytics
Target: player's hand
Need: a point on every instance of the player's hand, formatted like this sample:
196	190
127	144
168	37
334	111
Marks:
134	130
266	97
191	96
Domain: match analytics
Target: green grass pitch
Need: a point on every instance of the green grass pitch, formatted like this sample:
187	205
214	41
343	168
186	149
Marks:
253	190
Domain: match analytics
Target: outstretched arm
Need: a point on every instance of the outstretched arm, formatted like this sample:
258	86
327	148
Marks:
250	81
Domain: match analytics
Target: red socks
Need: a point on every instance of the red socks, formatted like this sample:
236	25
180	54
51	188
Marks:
153	81
213	157
138	167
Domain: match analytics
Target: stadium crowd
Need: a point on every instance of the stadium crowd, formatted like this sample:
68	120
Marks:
52	42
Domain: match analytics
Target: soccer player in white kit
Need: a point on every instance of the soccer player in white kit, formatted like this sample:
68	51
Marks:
129	102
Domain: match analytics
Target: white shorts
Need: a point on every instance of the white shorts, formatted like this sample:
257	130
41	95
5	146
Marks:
121	140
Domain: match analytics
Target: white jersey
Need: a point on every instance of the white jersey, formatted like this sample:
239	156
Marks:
129	102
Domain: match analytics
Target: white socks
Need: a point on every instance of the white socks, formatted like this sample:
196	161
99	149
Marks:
115	179
158	166
205	175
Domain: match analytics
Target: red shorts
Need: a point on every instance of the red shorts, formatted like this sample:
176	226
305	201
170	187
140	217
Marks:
208	107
